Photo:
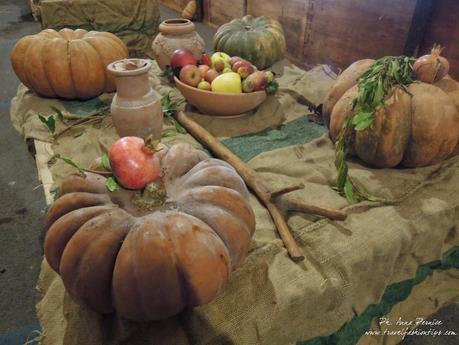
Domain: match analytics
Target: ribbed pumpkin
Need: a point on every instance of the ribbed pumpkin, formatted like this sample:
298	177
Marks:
415	129
257	39
150	265
69	64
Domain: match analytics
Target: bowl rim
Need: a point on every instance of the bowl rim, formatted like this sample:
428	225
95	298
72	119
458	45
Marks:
177	80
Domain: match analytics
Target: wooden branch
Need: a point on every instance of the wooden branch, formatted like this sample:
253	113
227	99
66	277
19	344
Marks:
331	213
285	190
249	176
253	182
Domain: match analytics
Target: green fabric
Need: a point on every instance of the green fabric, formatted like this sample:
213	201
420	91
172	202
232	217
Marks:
352	331
83	108
299	131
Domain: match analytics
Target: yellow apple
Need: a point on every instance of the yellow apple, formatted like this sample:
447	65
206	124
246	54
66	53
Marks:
228	83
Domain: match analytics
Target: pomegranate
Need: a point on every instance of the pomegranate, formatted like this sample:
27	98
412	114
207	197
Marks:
432	67
133	163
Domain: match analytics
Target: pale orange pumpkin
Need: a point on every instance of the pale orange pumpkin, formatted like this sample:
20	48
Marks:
415	128
68	64
150	265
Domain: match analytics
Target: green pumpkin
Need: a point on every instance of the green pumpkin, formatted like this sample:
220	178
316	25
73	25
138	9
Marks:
259	40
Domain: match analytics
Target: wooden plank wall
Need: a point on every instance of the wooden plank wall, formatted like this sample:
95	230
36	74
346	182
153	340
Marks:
443	29
340	32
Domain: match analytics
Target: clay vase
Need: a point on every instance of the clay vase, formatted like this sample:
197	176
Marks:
136	110
175	34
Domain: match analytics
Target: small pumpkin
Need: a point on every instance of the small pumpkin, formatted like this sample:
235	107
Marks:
259	40
415	128
190	10
68	64
150	263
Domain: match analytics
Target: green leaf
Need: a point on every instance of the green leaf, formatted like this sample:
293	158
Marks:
59	114
272	87
349	192
71	163
362	121
105	162
111	184
49	122
169	133
54	193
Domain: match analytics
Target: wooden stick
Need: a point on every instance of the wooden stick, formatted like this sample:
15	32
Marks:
285	190
249	176
331	213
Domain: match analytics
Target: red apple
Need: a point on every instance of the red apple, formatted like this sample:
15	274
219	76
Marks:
211	75
206	60
190	75
257	81
133	165
182	57
235	59
220	65
244	68
203	69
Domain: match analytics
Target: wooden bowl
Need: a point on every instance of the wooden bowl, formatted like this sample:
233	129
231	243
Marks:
217	103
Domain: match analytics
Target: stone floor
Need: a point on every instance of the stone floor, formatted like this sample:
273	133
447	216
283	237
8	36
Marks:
22	200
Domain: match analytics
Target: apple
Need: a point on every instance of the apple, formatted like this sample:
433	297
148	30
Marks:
211	75
217	57
203	69
244	68
182	57
269	76
133	165
190	75
227	70
206	60
227	82
235	59
204	85
255	82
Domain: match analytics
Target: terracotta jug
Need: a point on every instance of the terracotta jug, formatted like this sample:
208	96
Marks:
175	34
135	108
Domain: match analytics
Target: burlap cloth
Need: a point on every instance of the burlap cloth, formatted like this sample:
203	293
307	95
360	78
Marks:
134	21
398	261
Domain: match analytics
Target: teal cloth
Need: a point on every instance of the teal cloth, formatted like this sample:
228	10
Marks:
299	131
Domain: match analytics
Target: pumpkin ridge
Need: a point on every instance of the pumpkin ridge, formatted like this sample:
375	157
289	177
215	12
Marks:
119	225
197	212
55	230
105	74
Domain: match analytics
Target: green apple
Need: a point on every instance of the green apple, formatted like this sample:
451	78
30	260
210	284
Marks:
227	82
227	70
204	85
218	58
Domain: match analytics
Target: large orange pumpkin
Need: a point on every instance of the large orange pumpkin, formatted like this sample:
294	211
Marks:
414	129
69	64
149	265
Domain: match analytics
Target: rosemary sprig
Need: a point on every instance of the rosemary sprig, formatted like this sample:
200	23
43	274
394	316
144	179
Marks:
374	87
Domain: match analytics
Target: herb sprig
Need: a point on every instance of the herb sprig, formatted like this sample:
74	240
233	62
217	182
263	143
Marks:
374	87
